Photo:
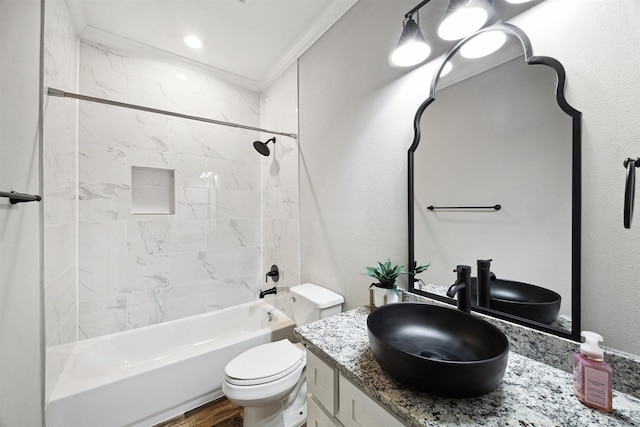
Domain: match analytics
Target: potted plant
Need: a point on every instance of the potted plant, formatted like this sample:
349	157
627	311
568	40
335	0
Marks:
385	290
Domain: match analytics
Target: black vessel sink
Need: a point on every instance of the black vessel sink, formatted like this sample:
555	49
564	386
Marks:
439	350
520	299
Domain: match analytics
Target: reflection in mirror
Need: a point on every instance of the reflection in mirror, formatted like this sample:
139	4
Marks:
497	135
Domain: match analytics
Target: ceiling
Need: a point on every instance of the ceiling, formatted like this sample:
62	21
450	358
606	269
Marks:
247	42
250	42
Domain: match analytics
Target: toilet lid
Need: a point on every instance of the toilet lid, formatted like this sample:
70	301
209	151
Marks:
264	363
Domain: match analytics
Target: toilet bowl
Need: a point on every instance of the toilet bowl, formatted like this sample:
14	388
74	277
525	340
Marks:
269	380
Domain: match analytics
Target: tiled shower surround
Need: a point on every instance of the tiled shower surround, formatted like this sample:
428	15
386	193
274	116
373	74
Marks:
233	213
140	269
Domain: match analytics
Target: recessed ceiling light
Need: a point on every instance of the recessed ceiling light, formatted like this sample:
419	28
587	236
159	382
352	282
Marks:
193	42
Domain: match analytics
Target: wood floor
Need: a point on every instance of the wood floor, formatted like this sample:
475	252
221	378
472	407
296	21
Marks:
219	413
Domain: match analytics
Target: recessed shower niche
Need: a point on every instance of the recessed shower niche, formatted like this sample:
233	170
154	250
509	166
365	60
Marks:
152	191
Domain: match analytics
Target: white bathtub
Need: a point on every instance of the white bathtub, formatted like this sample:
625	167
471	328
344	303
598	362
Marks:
144	376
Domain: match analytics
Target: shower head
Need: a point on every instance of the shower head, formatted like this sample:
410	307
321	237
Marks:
261	147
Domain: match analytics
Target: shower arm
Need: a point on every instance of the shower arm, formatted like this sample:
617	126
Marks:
62	94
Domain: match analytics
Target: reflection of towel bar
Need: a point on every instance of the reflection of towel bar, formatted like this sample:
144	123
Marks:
19	197
494	207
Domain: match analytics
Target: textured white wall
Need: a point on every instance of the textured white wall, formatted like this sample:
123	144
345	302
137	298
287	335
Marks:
355	125
21	334
355	129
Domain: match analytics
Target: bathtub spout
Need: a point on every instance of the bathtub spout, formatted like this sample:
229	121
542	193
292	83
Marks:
268	291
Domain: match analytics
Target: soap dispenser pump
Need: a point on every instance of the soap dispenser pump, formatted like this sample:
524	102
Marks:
592	377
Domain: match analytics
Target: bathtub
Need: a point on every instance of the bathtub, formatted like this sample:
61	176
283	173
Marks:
147	375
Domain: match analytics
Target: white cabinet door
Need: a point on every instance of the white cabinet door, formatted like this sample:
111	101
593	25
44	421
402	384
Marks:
316	417
322	381
359	410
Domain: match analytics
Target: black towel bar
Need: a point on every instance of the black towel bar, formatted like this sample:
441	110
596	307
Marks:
20	197
494	207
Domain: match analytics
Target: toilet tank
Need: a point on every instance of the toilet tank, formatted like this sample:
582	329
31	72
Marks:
312	302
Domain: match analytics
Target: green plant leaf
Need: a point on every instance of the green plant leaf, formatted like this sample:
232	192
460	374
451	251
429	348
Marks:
382	268
419	269
371	271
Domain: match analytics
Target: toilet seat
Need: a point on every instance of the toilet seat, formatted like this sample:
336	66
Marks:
264	364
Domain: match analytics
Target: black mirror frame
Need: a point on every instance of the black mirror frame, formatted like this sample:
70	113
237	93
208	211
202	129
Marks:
576	178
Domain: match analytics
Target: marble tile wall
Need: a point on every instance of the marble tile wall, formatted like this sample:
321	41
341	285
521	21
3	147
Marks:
280	190
60	195
135	269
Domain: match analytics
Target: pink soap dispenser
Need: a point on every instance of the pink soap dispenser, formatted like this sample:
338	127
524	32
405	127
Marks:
592	377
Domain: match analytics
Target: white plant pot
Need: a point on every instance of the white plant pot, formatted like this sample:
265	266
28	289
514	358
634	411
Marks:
382	296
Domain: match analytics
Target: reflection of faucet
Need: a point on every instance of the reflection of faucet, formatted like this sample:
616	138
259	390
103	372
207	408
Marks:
484	275
462	288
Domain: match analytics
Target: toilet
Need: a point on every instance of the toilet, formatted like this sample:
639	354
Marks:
269	380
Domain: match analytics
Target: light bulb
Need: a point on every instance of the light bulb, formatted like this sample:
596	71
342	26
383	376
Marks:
410	53
462	22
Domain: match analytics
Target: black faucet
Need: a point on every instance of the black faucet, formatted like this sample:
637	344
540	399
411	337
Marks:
462	288
268	291
484	275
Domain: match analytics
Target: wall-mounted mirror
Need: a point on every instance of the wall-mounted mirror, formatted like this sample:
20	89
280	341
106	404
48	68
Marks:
494	174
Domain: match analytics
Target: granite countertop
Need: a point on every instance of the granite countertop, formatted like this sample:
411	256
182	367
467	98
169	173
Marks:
531	393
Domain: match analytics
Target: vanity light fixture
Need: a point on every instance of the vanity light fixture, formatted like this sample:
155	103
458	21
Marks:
193	42
412	48
463	17
483	44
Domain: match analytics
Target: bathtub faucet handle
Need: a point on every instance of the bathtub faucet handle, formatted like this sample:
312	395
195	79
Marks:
274	273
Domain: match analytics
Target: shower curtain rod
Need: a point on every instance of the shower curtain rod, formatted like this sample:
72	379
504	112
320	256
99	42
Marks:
62	94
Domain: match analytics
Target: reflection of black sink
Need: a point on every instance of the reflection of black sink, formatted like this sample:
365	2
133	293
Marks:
439	350
520	299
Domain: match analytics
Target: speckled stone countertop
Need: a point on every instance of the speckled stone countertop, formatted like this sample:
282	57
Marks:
531	394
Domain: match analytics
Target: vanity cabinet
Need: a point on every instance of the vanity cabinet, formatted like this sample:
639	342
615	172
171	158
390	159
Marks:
333	401
322	383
